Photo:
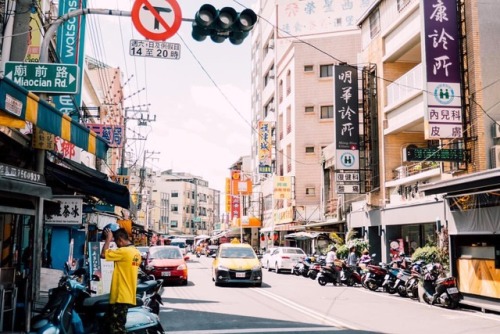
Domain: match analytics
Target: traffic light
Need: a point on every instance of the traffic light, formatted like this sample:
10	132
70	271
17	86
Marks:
222	24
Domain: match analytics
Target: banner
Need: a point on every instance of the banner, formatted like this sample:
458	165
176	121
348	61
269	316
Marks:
441	38
265	147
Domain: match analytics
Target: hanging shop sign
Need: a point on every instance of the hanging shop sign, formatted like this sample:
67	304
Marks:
69	212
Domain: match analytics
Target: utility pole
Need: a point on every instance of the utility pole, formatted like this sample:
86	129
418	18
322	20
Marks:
142	122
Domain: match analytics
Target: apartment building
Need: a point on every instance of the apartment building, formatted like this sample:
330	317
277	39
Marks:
437	109
294	50
183	204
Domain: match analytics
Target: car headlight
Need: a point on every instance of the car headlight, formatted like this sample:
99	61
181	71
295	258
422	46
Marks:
256	267
149	267
221	267
182	267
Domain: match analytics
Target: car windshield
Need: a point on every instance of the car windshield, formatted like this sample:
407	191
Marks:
233	253
166	253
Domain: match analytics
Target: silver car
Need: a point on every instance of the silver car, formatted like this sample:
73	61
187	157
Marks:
285	258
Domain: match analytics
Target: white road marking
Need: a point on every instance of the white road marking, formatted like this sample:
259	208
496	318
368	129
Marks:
305	310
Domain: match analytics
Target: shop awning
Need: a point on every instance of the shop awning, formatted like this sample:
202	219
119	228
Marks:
20	103
72	179
302	235
24	188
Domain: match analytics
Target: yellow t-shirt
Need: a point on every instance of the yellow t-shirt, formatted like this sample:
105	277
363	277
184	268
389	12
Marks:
124	280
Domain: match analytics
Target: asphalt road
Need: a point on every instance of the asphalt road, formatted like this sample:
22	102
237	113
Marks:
289	304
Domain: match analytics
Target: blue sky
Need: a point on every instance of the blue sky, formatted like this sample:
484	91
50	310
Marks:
201	127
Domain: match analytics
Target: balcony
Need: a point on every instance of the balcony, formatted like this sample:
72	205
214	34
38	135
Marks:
406	87
405	108
415	172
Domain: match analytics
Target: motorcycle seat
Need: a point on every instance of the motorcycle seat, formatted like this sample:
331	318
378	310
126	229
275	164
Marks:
100	303
146	285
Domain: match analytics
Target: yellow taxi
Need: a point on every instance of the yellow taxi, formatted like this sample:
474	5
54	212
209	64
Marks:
236	263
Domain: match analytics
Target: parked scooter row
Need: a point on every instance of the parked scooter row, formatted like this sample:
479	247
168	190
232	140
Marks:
71	309
405	280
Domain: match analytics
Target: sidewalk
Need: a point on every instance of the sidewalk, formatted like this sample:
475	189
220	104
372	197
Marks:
484	305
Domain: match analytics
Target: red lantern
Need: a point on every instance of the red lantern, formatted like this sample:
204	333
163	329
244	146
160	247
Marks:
275	236
262	237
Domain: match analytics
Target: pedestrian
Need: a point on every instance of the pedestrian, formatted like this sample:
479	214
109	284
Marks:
127	260
352	258
331	257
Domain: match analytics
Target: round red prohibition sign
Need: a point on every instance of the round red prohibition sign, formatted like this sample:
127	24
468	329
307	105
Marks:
150	18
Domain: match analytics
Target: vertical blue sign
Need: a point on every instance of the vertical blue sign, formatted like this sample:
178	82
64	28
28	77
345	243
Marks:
70	49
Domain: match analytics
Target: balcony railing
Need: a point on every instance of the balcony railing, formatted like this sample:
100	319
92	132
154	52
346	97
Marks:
406	85
410	170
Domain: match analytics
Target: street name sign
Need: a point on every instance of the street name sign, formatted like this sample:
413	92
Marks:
153	49
44	77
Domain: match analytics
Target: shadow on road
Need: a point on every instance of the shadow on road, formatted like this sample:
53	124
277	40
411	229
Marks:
180	320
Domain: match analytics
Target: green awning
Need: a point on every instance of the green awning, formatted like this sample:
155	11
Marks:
20	103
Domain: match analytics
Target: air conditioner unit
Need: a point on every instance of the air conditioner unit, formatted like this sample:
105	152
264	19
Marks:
270	45
495	156
496	129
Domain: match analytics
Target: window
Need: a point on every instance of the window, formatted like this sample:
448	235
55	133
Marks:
288	82
175	193
309	149
326	112
402	4
310	191
309	110
308	68
280	91
174	208
326	71
374	23
174	223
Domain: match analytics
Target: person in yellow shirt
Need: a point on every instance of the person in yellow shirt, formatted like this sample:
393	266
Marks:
127	260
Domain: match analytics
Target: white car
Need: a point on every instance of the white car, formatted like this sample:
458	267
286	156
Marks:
266	256
285	258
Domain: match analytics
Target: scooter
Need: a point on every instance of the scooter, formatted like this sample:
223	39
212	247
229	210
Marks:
152	289
374	276
315	268
348	276
411	284
70	309
440	291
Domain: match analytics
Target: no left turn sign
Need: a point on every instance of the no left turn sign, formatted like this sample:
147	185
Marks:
156	20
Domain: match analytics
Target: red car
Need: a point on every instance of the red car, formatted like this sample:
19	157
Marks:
167	263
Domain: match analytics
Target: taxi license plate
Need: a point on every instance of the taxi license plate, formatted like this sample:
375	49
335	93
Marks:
165	273
240	275
452	290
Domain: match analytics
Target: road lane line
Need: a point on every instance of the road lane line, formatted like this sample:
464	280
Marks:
309	312
259	330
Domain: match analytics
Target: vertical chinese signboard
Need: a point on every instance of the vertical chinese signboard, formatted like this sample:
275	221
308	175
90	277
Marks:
346	127
265	148
235	199
443	117
282	187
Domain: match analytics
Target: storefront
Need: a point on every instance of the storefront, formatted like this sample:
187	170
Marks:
473	223
22	196
395	229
